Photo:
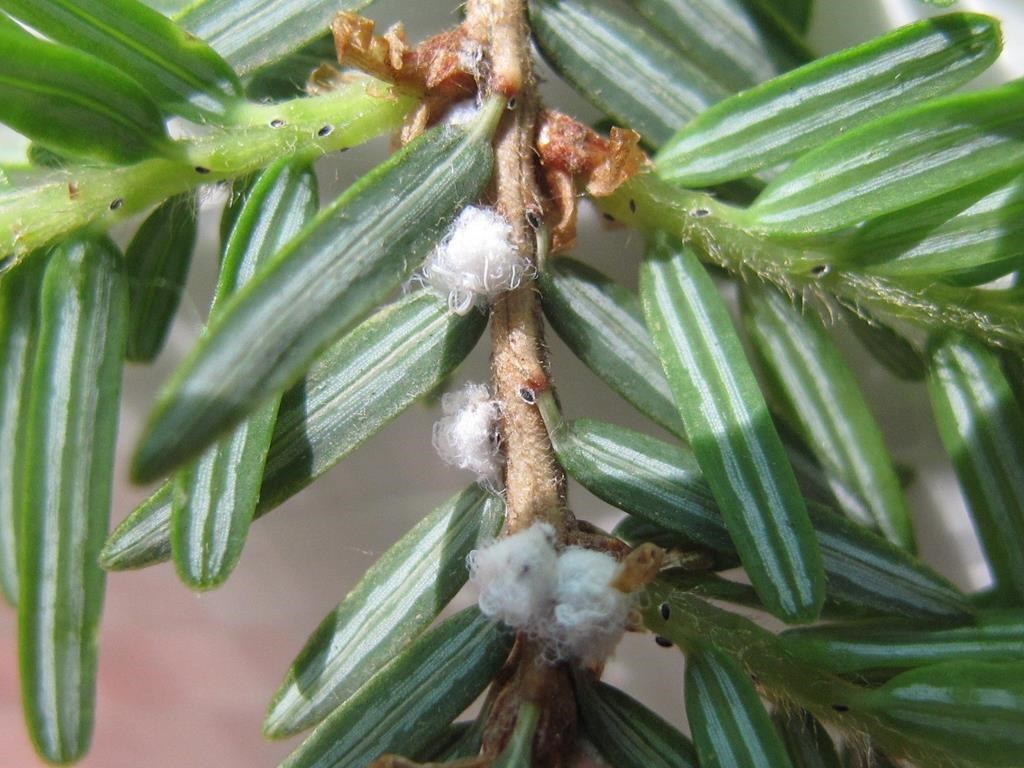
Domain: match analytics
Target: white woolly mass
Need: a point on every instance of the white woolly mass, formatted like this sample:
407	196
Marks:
471	56
590	614
476	260
516	576
566	601
466	436
462	112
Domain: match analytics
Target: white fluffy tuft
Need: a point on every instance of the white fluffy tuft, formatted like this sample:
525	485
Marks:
590	614
462	112
516	576
467	437
566	601
476	260
471	56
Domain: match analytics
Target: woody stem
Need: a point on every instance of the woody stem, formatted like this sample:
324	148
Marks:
535	484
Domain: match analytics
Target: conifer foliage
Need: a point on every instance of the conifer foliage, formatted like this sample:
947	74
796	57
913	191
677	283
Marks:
864	189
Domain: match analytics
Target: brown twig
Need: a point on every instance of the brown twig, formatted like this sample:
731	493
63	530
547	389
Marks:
534	482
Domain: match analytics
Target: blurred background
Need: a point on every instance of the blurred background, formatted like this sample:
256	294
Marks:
184	678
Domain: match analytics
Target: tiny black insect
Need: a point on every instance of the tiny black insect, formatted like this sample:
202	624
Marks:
277	123
632	206
665	611
116	203
326	130
840	708
201	170
664	642
700	212
527	395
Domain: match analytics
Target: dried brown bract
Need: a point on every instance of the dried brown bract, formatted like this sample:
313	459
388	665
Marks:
382	56
573	155
444	68
639	568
